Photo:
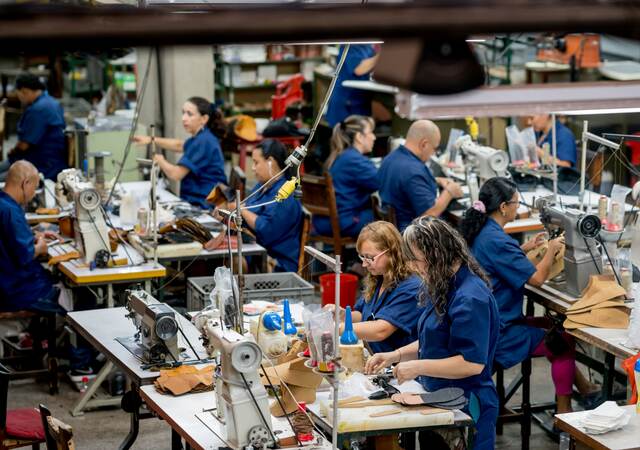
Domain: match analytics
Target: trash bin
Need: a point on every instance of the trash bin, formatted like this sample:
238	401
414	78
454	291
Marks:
348	289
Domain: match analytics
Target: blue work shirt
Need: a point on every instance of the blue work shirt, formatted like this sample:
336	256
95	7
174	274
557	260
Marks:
565	143
23	281
398	306
42	127
278	226
203	157
407	184
355	178
469	328
509	269
346	101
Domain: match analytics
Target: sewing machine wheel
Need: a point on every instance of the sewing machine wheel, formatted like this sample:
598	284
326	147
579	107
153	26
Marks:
258	436
589	225
89	199
246	357
166	327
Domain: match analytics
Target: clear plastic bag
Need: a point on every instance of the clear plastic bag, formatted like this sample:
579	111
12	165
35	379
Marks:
322	331
222	295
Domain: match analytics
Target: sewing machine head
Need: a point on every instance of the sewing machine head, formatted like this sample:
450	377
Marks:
488	162
157	325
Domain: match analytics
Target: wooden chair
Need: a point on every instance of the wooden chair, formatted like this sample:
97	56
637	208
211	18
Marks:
58	435
18	427
238	180
387	213
319	198
303	271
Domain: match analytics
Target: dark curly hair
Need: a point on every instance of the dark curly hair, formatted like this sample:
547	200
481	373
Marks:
443	250
493	193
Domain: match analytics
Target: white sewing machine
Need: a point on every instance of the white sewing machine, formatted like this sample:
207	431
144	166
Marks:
91	232
487	161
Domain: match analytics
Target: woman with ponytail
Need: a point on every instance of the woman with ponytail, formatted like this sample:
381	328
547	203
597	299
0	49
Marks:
354	176
508	267
201	166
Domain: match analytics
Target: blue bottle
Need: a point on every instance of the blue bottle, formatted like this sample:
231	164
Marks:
348	336
289	328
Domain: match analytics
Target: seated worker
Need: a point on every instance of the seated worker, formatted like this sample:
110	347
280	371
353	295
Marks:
40	130
458	330
407	184
386	316
345	101
201	165
24	283
567	154
354	176
509	269
277	226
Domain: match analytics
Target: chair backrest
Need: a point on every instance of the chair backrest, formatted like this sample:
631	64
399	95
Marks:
387	213
238	180
319	197
304	237
48	436
61	433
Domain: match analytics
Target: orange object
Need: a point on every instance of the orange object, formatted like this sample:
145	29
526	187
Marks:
584	47
348	289
628	366
287	93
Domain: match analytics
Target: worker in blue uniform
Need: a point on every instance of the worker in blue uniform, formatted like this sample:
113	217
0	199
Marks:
566	151
40	130
277	226
458	330
201	166
386	316
345	101
407	184
506	263
354	176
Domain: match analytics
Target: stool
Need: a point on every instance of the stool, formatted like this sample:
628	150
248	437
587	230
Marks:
37	351
522	413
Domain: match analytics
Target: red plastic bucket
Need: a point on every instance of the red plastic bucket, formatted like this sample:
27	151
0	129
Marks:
348	289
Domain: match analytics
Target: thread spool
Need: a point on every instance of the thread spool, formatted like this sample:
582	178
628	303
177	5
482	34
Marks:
352	356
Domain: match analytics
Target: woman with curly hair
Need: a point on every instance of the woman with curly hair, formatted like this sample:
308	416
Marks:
458	330
386	316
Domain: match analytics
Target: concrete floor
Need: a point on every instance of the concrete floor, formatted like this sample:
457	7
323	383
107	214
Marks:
105	429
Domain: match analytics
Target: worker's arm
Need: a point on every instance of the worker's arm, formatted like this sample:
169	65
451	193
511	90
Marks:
175	145
366	65
40	247
21	146
373	330
452	368
172	171
543	268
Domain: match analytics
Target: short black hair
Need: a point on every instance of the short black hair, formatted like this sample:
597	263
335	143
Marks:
29	81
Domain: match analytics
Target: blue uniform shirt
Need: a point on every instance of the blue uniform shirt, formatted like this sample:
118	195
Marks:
346	101
469	328
398	306
407	184
203	157
278	226
565	143
509	268
23	281
355	178
42	126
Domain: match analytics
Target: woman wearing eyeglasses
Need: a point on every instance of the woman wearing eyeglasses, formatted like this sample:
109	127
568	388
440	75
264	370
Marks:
386	316
458	330
506	263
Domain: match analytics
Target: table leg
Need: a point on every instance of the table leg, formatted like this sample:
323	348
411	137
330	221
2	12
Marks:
608	375
110	302
131	403
85	400
176	440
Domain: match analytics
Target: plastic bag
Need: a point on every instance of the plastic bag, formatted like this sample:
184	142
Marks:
634	321
628	365
322	331
615	218
221	297
307	313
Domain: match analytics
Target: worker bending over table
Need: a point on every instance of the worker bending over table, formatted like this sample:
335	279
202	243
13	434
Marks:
354	175
386	316
508	267
407	184
201	165
566	151
458	330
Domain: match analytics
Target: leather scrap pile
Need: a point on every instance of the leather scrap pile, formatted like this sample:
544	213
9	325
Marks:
601	305
185	379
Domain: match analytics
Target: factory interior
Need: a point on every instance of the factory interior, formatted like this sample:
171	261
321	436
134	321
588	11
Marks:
340	224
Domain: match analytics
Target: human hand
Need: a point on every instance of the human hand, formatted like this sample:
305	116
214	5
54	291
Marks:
379	361
40	246
332	308
158	157
454	189
406	371
535	241
141	140
556	245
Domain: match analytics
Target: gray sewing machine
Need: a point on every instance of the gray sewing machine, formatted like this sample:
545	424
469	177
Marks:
582	257
241	397
157	325
488	162
90	229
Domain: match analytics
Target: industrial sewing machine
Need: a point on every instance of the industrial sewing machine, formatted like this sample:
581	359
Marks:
241	397
582	257
157	325
487	161
90	229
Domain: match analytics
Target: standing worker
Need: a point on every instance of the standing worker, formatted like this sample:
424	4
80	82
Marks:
201	166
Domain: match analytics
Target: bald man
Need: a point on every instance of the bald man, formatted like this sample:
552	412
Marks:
24	283
407	184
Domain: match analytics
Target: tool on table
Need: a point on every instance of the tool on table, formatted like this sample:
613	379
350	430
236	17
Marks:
386	389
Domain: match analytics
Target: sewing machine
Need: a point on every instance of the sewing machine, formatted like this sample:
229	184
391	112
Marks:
582	257
157	326
241	397
90	229
488	162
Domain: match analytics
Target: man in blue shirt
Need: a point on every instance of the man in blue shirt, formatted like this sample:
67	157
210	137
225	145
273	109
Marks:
40	130
567	153
407	184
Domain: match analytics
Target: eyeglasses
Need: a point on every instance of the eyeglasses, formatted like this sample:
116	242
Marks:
371	259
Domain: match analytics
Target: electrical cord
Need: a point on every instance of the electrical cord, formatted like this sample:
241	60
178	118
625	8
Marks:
595	263
188	341
606	252
255	402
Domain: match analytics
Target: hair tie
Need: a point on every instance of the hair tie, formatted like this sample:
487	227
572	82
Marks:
479	206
